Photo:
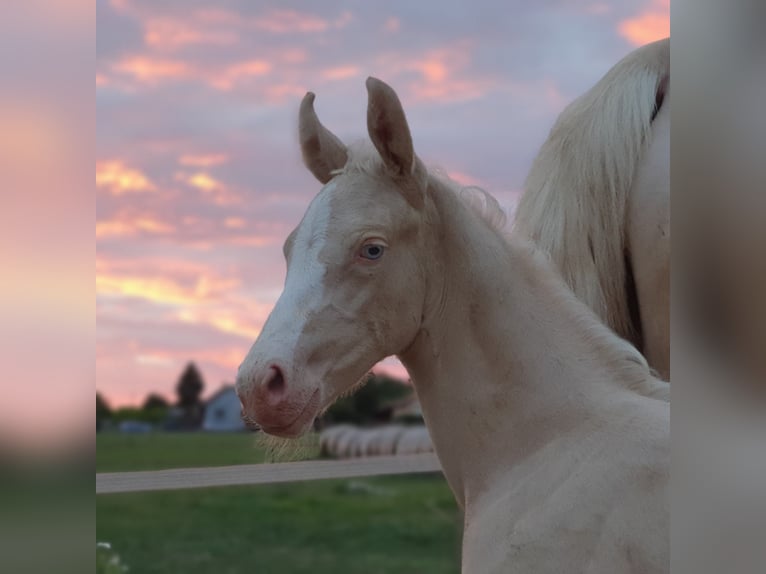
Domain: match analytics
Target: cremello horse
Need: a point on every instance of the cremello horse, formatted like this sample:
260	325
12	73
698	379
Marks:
597	200
550	429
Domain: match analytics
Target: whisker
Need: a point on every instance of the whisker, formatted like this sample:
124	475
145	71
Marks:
250	423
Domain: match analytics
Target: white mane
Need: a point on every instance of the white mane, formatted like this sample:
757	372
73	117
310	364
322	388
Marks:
575	202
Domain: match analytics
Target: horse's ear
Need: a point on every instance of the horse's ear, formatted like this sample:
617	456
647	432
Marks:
389	132
322	151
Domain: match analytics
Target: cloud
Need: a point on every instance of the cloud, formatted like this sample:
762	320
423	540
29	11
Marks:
392	25
158	289
239	72
170	34
116	178
443	74
652	24
225	322
201	179
290	21
341	73
209	186
132	227
465	179
203	160
151	70
175	284
234	222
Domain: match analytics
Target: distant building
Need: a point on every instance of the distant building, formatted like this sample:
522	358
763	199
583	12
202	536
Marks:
135	427
222	411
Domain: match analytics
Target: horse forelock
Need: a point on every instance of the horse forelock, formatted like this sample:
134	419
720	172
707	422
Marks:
364	158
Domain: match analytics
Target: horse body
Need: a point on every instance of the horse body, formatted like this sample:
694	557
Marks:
597	200
559	463
550	429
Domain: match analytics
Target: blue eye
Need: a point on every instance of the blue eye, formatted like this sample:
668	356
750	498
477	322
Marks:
372	251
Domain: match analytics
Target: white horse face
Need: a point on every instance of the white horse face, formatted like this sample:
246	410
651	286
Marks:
353	295
355	287
354	291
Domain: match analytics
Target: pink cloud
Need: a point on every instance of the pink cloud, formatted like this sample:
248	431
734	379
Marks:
464	179
204	160
290	21
132	226
340	73
293	56
207	275
209	186
553	95
150	70
202	181
444	74
234	222
282	92
173	34
175	284
239	72
392	25
118	179
650	25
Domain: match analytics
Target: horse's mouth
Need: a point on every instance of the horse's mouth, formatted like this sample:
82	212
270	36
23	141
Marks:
298	425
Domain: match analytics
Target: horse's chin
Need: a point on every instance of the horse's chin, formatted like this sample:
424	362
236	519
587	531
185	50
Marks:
294	430
299	425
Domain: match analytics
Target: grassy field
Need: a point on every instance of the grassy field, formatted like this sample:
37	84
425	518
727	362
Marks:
383	525
126	452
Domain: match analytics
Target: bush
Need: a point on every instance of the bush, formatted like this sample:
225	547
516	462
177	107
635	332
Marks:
368	404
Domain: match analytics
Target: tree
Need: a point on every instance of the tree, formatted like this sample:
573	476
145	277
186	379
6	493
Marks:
370	403
103	412
155	402
189	387
189	390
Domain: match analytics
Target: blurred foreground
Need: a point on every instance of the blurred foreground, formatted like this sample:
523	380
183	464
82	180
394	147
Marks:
385	524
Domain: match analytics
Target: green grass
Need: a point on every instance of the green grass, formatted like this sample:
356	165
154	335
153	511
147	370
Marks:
154	451
380	525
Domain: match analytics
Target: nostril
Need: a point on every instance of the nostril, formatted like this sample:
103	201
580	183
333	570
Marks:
276	381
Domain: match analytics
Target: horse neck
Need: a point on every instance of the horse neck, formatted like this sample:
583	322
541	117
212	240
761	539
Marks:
505	360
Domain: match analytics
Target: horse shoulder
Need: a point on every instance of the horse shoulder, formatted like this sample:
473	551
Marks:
594	502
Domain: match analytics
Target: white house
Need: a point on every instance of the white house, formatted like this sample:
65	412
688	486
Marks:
222	411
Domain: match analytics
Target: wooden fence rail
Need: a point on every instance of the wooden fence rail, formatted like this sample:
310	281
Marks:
246	474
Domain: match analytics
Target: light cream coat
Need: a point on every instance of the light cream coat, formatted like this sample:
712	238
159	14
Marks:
550	429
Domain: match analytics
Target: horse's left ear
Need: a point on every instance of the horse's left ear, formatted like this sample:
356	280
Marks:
323	152
389	132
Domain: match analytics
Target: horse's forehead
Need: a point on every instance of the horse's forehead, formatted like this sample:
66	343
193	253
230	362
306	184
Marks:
321	205
351	199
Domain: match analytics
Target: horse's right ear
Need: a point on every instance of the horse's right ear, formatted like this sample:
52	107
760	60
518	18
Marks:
390	134
322	151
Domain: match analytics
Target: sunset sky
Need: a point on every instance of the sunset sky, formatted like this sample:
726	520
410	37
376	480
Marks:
198	171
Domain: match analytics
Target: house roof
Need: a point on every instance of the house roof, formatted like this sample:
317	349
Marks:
225	388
